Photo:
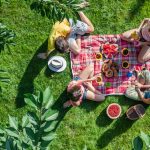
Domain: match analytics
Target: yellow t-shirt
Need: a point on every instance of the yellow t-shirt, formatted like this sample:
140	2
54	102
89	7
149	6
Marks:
59	29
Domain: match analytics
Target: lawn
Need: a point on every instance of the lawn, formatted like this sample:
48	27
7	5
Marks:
85	125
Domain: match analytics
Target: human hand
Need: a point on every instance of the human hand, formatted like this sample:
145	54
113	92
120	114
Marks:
137	84
137	88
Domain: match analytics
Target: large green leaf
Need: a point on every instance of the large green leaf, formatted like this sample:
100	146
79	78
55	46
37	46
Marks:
49	103
12	132
137	143
1	131
47	96
13	122
30	133
49	136
52	117
50	126
146	139
33	118
49	115
25	121
30	100
40	98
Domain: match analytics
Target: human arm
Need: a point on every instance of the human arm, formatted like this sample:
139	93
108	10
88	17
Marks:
75	45
145	100
141	86
87	21
91	88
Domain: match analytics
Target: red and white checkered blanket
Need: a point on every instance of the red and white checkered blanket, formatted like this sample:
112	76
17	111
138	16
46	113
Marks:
90	46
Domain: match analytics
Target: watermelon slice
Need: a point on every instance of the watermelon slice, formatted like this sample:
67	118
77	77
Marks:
114	111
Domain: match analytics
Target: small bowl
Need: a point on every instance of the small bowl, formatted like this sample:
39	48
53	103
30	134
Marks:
114	111
99	56
99	80
125	52
125	64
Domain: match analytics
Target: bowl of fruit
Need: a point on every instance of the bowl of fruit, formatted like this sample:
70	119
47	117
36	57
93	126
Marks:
110	50
113	111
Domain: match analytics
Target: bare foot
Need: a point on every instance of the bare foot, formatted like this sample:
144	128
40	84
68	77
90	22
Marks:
42	55
66	104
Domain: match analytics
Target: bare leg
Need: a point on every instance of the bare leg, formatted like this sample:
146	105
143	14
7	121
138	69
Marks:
87	72
95	97
87	21
144	54
127	35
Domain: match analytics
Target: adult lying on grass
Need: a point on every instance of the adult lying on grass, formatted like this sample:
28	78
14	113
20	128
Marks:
140	90
81	88
65	35
140	35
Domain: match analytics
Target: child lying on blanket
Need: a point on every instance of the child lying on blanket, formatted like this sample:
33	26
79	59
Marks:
141	36
134	92
65	35
81	88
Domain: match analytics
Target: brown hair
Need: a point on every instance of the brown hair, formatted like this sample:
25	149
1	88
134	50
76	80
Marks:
75	93
61	44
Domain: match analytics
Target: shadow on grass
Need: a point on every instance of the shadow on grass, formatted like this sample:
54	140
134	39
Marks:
136	8
58	105
33	69
89	105
120	126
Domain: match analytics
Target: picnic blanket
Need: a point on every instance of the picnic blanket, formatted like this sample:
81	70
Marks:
90	46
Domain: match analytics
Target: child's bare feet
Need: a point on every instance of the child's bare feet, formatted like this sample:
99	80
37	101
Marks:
66	104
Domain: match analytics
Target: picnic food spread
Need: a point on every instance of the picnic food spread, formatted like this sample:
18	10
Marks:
110	69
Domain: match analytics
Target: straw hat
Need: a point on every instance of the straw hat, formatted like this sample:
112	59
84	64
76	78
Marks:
57	63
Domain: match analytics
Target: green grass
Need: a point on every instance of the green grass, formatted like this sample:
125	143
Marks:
84	125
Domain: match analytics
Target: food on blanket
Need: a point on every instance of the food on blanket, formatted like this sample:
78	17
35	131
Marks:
125	52
105	67
110	68
110	50
99	79
113	111
129	74
98	56
134	35
125	64
107	84
109	73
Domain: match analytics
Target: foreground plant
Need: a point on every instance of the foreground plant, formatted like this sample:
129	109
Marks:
37	128
139	141
59	9
6	37
3	78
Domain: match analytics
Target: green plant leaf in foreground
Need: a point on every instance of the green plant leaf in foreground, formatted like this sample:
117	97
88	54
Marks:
13	122
146	139
137	143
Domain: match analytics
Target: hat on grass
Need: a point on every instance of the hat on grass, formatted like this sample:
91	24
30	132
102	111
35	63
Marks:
57	63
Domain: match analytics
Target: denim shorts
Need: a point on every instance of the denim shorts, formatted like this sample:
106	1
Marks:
76	78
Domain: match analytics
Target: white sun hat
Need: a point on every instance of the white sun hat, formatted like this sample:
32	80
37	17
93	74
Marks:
57	63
